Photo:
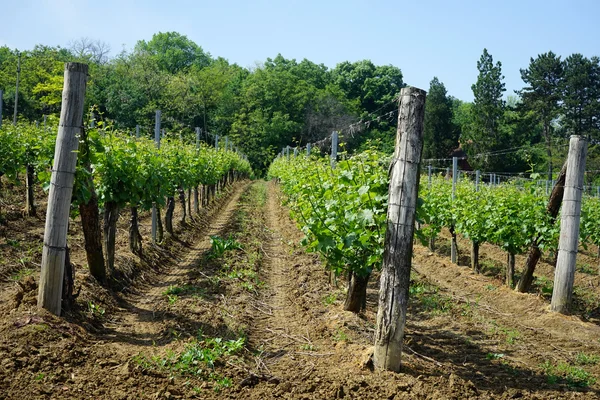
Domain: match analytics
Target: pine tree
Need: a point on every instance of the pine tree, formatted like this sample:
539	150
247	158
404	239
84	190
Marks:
440	133
543	93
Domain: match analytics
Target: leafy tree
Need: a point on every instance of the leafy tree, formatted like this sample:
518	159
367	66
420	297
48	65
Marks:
173	52
542	94
440	133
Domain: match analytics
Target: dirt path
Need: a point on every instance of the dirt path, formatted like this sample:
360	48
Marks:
142	322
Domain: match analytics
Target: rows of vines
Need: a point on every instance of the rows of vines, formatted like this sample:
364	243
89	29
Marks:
342	211
116	170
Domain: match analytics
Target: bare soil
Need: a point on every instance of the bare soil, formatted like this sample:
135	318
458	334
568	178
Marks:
468	336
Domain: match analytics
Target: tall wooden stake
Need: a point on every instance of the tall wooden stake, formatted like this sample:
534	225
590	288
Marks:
154	210
61	187
334	148
454	244
569	226
402	202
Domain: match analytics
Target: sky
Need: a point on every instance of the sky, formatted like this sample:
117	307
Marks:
424	38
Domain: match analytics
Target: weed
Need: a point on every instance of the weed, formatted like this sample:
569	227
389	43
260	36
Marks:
172	298
330	299
584	359
184	290
95	310
568	374
587	269
40	376
340	335
13	243
491	287
494	356
307	347
546	286
429	298
22	273
219	245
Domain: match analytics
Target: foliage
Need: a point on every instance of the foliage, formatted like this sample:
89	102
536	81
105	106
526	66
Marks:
342	210
440	134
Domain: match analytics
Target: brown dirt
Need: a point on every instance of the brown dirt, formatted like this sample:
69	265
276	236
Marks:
468	337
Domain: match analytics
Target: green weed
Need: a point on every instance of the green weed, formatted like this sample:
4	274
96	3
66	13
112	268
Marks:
568	374
219	245
584	359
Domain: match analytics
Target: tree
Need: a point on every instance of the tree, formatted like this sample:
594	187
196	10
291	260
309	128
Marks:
542	94
90	50
581	95
487	111
173	52
440	133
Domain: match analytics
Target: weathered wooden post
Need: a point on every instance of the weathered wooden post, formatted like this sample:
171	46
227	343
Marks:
403	194
454	244
477	177
154	209
308	149
17	89
334	148
569	226
217	142
61	187
137	131
295	152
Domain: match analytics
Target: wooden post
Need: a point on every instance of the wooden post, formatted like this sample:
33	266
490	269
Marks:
454	244
403	194
226	142
308	149
17	89
569	226
429	175
477	175
217	142
334	146
61	187
137	131
154	210
295	152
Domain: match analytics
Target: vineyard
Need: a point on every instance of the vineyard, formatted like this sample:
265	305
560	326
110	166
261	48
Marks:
271	289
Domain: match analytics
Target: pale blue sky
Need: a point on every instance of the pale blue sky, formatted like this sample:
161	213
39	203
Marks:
423	38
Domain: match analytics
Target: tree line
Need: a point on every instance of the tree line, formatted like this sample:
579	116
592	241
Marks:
282	102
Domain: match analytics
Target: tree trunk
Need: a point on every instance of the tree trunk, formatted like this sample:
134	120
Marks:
356	299
189	202
30	205
534	251
196	200
453	246
475	256
90	224
432	243
135	238
159	226
181	194
111	215
169	214
68	282
510	270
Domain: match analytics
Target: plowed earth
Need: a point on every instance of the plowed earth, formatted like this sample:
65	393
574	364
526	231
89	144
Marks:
260	320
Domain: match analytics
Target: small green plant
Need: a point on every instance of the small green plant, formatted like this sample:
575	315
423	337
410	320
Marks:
491	287
546	285
330	299
308	347
172	298
22	273
95	310
587	269
340	335
13	243
584	359
40	376
219	245
568	374
494	356
429	298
